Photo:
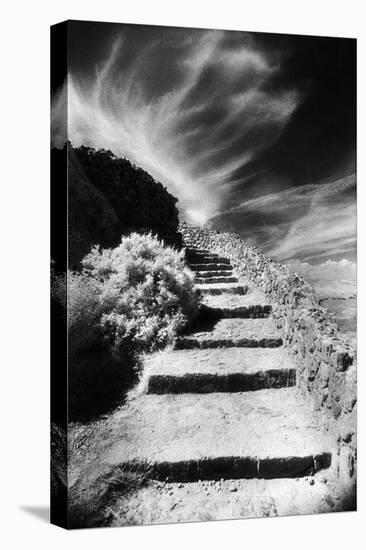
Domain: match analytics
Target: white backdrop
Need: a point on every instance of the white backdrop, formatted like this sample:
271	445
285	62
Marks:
25	262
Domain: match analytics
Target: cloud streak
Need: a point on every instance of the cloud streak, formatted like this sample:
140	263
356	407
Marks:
311	222
328	228
192	131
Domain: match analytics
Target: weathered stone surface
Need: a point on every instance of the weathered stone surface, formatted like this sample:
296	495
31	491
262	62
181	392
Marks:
218	370
244	312
213	273
231	382
252	434
222	288
254	298
323	355
210	267
207	258
216	279
162	503
233	332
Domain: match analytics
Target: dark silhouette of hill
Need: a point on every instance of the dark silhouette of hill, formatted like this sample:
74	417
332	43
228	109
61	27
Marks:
109	197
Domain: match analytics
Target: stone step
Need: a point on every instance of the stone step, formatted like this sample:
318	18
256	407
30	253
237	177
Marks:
241	312
215	280
213	273
265	434
218	370
210	267
233	332
222	288
207	259
198	252
252	305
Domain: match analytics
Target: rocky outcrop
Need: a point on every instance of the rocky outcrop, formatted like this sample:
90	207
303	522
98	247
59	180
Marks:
325	358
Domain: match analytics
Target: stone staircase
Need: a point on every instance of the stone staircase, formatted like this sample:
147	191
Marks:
223	404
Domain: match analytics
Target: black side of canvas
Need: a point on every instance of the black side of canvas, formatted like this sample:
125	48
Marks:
59	404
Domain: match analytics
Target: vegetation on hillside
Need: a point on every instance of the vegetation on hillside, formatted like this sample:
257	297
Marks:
126	292
132	298
144	293
109	197
139	201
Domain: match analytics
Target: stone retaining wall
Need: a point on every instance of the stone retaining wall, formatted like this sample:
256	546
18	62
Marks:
326	359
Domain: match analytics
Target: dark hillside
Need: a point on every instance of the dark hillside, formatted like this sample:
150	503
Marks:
92	219
110	197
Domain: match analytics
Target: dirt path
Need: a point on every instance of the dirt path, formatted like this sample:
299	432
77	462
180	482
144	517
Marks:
219	420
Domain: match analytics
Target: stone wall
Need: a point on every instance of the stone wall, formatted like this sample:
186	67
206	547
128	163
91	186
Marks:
326	359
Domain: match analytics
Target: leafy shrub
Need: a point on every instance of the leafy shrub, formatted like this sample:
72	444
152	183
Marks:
132	298
145	293
83	311
78	298
137	295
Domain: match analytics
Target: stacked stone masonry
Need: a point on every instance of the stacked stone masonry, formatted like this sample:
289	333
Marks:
325	358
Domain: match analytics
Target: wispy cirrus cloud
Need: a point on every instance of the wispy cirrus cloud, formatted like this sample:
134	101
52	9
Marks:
192	131
328	229
312	228
310	222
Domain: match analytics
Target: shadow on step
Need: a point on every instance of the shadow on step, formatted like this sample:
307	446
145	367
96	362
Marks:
98	383
204	322
210	383
207	343
186	471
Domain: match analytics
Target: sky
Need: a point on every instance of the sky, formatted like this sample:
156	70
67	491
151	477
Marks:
253	133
